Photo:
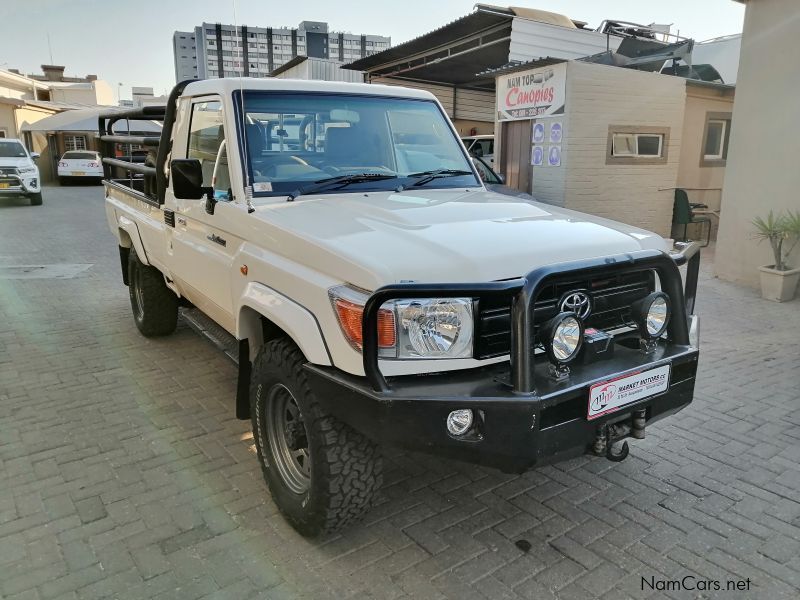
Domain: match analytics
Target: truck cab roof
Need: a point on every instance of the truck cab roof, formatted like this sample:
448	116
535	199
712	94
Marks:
228	85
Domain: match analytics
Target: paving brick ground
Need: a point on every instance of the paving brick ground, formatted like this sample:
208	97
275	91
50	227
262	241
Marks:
124	474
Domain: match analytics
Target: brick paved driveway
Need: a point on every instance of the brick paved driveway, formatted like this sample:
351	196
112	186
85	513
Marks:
124	474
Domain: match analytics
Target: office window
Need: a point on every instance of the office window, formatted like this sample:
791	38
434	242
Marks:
636	145
74	142
715	140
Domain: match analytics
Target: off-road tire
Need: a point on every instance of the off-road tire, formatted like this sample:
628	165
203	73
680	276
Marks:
154	305
36	199
346	467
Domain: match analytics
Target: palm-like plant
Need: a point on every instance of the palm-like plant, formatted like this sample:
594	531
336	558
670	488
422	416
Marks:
782	232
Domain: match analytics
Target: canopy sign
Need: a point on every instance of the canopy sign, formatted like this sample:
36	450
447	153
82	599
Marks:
532	94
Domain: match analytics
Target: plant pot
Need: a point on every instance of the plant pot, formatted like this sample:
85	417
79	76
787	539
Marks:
778	286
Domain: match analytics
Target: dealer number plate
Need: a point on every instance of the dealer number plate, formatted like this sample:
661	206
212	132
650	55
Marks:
610	396
79	173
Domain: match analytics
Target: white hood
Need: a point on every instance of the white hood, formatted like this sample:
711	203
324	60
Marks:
372	239
23	161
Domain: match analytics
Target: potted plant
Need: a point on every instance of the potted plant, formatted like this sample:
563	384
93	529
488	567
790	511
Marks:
778	280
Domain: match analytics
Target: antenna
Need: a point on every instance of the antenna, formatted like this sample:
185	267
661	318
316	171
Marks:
50	48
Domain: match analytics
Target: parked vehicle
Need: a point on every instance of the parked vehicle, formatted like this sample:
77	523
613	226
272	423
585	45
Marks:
380	294
80	165
19	175
481	146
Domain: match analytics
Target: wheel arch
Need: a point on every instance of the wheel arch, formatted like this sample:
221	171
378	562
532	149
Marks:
265	314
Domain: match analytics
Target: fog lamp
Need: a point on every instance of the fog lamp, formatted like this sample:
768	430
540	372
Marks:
459	421
652	315
563	338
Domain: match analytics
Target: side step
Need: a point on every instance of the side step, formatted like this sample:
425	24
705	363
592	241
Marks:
215	334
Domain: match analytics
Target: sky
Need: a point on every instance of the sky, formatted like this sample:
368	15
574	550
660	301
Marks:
130	41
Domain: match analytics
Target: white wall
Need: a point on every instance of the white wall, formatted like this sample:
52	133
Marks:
762	171
531	40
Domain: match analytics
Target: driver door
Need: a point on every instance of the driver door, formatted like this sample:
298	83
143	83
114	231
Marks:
202	245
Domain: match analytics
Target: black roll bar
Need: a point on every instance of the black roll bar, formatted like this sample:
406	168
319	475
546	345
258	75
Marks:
164	113
524	293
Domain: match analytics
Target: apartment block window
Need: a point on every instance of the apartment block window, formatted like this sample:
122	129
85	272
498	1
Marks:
715	139
74	142
637	145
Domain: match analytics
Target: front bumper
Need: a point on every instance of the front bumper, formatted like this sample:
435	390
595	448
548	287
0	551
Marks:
19	184
523	417
512	432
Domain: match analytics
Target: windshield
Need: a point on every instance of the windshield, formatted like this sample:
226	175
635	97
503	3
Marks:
293	140
12	150
80	155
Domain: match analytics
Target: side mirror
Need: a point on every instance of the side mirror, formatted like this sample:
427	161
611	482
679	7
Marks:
187	182
35	155
501	177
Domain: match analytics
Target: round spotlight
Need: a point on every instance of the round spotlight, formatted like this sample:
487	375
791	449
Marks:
563	338
459	421
652	315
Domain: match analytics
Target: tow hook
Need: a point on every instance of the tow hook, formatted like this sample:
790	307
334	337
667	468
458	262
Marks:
604	444
617	456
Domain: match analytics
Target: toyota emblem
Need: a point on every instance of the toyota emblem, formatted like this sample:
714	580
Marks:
578	302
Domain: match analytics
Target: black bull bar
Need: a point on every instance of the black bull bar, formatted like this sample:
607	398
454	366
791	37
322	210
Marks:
524	293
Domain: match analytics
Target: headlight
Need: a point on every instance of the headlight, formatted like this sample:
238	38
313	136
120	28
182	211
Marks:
424	328
434	328
562	338
652	315
27	169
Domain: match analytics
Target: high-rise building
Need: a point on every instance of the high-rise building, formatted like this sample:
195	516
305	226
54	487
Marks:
214	50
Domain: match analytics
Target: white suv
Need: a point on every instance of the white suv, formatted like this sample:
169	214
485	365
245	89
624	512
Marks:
19	175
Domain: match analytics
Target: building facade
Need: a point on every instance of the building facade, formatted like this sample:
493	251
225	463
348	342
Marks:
610	141
762	173
215	50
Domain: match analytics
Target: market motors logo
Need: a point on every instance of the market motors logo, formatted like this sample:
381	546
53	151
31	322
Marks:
604	397
578	302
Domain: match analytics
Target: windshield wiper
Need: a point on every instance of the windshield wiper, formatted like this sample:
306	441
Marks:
428	176
341	181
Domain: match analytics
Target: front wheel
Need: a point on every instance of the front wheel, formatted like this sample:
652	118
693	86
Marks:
322	474
36	199
155	306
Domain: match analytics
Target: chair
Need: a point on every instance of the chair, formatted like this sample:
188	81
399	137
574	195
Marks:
683	214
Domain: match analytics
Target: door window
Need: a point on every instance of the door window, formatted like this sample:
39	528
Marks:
207	144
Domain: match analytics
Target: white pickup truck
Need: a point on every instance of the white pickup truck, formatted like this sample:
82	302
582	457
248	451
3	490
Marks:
380	295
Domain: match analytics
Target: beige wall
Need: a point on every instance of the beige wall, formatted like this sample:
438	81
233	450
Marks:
702	181
12	118
599	96
762	169
7	123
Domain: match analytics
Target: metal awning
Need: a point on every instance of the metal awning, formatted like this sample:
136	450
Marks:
452	54
85	119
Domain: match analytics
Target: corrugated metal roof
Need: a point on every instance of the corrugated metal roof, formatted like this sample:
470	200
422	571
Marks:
523	66
453	31
288	65
85	119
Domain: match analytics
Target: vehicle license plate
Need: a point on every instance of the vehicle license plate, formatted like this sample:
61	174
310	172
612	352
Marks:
79	173
4	186
609	396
